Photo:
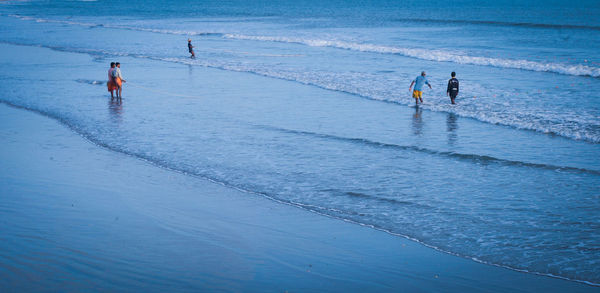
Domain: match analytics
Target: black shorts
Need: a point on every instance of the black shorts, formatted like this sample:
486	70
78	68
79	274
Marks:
453	95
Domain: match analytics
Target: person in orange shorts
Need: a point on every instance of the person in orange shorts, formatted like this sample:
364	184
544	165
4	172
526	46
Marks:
116	74
418	83
111	81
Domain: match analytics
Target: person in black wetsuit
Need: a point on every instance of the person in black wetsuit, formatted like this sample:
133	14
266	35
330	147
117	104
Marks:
452	90
191	49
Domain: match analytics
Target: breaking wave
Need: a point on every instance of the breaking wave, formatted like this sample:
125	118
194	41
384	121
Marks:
434	55
423	54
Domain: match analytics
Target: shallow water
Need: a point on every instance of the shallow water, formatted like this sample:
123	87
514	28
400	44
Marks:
310	105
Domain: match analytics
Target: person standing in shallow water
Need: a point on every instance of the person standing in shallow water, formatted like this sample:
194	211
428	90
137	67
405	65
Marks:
191	49
111	81
118	78
418	83
452	90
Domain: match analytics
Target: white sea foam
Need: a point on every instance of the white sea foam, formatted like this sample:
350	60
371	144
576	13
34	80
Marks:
579	126
423	54
571	125
574	125
434	55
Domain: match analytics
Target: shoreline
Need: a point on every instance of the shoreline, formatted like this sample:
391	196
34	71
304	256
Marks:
155	164
356	245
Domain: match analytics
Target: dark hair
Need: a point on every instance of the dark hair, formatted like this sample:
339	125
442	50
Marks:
117	63
453	74
112	63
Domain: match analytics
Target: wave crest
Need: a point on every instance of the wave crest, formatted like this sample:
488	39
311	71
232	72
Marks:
423	54
434	55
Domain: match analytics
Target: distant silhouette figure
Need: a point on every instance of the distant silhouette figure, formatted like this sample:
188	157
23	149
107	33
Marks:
191	49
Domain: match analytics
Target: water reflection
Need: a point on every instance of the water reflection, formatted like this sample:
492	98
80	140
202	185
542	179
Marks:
115	109
451	127
417	121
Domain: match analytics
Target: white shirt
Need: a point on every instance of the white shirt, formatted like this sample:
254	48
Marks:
117	73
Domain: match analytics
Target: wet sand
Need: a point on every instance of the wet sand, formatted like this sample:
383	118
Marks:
75	216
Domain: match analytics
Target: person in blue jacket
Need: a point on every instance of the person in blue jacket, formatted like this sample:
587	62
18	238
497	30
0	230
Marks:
418	83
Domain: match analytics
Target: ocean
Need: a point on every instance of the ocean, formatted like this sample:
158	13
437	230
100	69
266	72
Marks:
317	111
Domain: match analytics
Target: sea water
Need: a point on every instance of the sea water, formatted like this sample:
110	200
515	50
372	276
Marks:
313	109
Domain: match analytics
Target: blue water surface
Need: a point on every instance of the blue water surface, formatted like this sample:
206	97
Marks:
307	102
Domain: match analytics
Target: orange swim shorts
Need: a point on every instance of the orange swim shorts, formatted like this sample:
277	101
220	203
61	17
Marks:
111	86
417	94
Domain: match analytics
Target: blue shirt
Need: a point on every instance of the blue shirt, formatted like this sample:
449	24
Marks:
419	82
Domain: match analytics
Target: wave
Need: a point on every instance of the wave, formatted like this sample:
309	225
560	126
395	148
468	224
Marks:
87	81
99	25
577	128
422	54
433	55
324	211
164	31
501	23
475	158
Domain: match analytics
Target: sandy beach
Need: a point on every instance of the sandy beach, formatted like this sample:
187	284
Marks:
79	217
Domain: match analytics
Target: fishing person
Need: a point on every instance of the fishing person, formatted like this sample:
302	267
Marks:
118	78
111	81
191	49
452	90
418	83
